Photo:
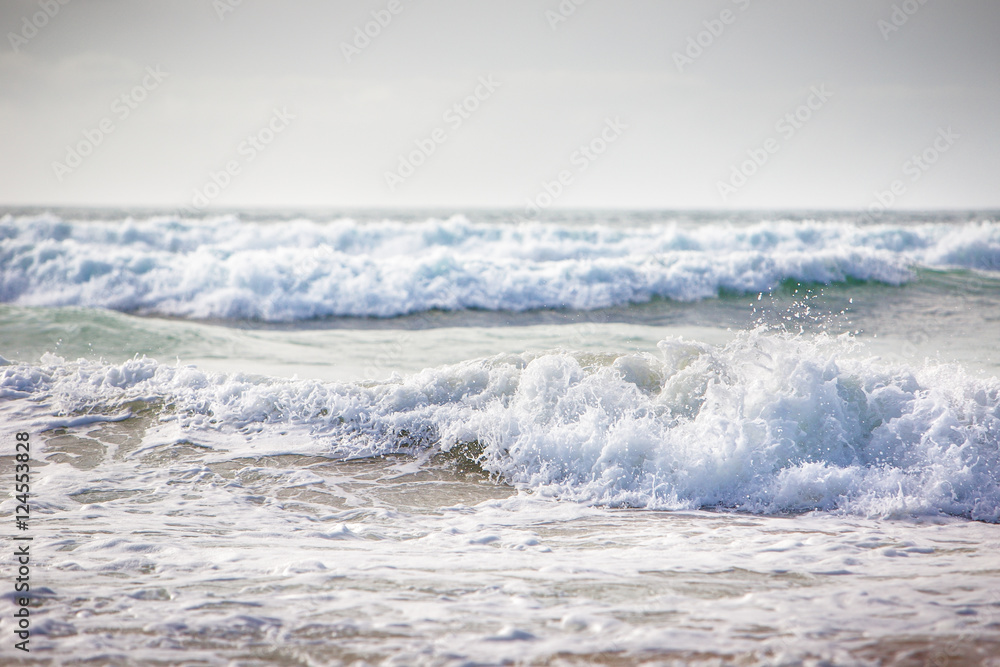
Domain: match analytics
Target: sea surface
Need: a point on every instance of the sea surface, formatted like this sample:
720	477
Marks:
466	438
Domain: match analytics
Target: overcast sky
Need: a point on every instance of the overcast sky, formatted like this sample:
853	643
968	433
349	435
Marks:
667	122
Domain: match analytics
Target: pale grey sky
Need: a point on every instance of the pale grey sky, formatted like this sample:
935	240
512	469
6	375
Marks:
886	81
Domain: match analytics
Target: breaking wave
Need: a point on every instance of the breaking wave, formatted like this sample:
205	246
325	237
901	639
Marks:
769	423
282	272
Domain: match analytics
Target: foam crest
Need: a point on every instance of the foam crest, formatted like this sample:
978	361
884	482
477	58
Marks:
288	271
768	423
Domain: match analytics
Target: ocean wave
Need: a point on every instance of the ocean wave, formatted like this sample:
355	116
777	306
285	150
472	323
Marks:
230	269
769	423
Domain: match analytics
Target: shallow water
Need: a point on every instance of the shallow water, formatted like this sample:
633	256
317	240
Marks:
320	562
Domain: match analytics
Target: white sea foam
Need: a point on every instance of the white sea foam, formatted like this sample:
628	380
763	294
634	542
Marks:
226	268
767	423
